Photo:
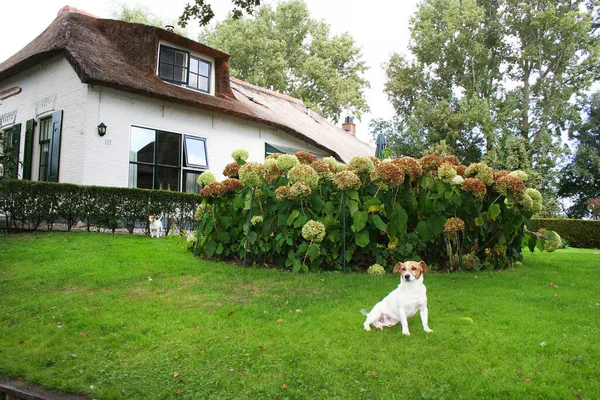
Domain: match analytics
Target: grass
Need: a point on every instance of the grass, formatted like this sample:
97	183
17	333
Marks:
129	317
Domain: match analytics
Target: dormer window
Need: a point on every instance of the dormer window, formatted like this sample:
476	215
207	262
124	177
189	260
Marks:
180	67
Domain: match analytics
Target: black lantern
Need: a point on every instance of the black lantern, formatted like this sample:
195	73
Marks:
101	129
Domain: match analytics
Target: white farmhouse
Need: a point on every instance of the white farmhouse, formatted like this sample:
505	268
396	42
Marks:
103	102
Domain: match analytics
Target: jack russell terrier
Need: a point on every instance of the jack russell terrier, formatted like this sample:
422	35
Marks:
155	225
402	303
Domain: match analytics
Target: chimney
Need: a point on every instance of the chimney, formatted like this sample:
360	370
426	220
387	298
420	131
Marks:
349	125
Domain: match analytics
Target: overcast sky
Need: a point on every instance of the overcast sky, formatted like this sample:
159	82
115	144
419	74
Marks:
379	28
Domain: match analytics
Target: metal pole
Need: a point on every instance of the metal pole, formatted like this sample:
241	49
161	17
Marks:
344	228
249	220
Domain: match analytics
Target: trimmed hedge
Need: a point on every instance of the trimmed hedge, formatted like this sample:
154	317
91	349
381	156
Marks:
27	205
578	232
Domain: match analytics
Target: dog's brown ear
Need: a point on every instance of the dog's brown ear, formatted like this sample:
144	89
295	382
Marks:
424	266
397	268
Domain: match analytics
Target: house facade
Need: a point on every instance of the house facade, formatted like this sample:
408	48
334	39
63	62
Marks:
102	102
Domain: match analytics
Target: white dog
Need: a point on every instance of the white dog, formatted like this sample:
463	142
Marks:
402	303
155	225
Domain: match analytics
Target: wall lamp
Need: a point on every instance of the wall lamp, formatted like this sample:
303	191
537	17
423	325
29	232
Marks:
101	129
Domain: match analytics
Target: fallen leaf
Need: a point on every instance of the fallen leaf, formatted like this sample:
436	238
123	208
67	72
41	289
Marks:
230	312
284	386
554	285
298	310
466	319
175	375
261	347
374	374
178	393
279	321
527	380
555	295
245	373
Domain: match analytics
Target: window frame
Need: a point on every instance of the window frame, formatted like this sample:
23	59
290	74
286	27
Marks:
183	166
189	56
44	121
199	75
187	67
185	152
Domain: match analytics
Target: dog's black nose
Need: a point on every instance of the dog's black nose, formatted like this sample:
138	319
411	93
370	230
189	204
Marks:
407	277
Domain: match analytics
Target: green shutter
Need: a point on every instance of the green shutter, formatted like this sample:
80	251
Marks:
28	151
15	147
55	146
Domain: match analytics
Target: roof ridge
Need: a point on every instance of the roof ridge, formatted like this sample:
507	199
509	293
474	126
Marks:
268	91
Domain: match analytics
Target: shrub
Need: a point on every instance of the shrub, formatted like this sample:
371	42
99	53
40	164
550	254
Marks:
372	212
578	232
28	204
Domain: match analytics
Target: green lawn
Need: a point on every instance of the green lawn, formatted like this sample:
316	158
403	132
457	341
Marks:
121	316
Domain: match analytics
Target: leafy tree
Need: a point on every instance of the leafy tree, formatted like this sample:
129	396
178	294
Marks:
202	11
581	177
496	76
286	50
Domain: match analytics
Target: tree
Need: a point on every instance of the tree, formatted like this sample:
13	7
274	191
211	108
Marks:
497	75
285	50
580	179
202	11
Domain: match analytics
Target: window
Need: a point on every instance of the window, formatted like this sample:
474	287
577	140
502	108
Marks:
44	138
173	65
10	142
155	160
199	77
178	66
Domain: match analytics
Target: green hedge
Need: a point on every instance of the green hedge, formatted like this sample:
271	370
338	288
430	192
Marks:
27	205
578	232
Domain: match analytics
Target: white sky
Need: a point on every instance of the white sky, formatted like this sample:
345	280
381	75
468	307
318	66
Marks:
379	28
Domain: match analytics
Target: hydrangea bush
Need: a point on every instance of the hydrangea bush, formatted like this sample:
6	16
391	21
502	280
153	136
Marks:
289	213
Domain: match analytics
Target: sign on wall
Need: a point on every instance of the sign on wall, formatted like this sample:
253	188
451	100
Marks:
8	118
45	104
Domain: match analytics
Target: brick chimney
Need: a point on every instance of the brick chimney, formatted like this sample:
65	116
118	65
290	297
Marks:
349	125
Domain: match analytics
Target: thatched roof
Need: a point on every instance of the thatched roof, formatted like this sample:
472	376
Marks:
123	56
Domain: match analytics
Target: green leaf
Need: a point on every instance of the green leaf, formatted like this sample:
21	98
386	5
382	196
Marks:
220	249
317	203
301	220
423	230
353	194
293	215
378	222
362	238
328	208
313	252
297	264
494	211
359	220
225	222
479	221
224	237
352	206
252	236
210	247
238	202
457	200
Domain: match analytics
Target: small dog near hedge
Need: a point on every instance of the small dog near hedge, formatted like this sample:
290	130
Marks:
155	225
403	302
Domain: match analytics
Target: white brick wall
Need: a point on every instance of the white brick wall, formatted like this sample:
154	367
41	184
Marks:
53	77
